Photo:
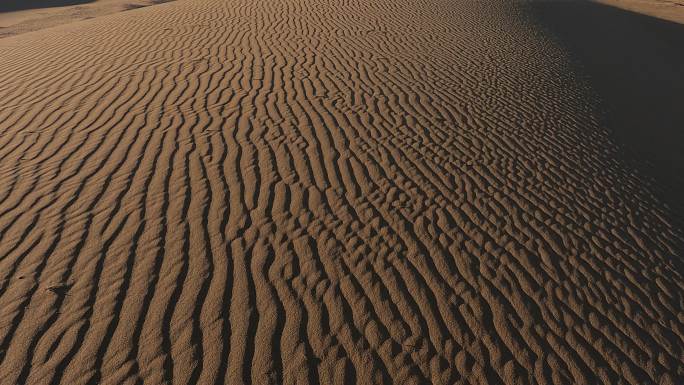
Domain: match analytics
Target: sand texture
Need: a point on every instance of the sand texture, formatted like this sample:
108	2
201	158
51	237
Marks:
326	192
672	10
21	16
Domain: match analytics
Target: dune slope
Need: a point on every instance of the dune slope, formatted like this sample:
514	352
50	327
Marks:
634	63
671	10
318	191
22	16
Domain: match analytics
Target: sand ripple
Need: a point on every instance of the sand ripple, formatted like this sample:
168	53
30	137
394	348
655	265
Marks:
317	191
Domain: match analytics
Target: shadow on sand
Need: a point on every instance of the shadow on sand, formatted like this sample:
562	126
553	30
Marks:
20	5
636	64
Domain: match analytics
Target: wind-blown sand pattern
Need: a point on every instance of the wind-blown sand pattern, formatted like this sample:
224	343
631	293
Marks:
323	192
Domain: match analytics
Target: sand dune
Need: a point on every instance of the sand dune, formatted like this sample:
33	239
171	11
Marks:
325	192
671	10
21	16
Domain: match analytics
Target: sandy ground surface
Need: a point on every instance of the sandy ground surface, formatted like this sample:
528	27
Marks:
338	192
21	16
672	10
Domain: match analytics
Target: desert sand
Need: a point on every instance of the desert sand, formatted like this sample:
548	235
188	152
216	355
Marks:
21	16
672	10
342	192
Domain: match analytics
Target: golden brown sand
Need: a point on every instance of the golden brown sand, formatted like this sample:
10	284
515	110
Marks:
21	16
672	10
327	192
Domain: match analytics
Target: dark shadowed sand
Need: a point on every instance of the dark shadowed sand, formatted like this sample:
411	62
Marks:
635	63
20	5
343	192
